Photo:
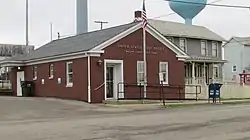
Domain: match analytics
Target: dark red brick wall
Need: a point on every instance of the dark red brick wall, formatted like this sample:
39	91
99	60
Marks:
176	68
51	88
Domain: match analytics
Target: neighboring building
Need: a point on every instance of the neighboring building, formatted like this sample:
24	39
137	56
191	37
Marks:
237	52
89	66
202	45
11	50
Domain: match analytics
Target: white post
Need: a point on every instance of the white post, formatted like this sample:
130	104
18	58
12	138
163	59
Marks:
213	78
193	73
89	78
145	62
204	72
222	73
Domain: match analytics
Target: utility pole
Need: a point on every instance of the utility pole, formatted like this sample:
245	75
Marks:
27	23
101	22
51	31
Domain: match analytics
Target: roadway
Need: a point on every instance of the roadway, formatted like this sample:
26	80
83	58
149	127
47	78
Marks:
53	120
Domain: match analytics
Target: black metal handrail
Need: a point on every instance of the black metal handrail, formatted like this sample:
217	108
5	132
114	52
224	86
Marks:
160	90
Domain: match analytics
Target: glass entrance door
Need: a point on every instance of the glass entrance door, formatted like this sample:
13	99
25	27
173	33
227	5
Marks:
110	82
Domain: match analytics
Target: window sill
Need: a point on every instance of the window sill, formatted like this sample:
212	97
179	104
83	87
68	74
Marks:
51	77
34	79
69	85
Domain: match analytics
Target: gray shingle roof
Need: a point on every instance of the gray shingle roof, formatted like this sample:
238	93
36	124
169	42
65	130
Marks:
243	40
87	41
168	28
78	43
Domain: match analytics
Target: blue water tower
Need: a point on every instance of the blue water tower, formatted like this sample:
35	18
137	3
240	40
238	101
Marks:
187	9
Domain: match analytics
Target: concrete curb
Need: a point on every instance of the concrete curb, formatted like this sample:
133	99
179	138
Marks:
153	106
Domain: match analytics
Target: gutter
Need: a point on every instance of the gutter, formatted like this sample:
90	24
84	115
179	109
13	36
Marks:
51	58
89	78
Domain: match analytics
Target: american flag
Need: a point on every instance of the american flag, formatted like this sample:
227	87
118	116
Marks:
144	15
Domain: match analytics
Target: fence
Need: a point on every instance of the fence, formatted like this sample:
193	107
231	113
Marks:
129	91
5	84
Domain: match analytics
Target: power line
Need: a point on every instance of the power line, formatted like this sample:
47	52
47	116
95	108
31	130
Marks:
211	4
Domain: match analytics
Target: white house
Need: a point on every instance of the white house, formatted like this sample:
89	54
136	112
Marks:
237	53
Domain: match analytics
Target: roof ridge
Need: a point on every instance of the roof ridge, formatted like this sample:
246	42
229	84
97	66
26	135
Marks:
96	31
177	23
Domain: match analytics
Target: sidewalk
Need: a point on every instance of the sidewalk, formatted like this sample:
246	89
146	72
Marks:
149	105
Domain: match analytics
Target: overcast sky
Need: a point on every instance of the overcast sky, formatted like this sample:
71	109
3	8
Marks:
226	22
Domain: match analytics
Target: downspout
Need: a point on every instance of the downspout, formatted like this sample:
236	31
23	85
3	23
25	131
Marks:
89	81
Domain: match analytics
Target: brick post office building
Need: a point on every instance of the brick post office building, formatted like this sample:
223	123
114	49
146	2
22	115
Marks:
89	66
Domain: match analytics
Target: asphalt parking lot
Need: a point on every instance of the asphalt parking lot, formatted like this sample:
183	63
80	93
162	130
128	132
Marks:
52	119
28	109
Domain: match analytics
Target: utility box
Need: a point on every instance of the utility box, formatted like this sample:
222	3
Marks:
214	91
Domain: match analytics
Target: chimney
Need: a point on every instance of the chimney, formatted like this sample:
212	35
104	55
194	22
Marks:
137	16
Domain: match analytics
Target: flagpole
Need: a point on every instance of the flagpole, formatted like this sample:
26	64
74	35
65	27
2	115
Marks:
144	24
145	62
27	23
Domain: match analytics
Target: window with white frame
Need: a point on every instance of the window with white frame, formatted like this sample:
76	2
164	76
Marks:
69	74
204	50
215	49
234	68
34	72
140	72
163	70
216	71
51	70
183	44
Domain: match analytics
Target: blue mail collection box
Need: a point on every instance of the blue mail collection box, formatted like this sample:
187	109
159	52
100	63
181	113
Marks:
214	90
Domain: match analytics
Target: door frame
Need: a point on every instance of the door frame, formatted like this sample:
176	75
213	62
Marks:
19	88
115	63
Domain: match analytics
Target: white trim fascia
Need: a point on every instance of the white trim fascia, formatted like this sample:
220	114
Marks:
95	51
79	54
11	65
114	61
62	59
89	79
58	56
181	59
165	41
182	56
117	38
53	58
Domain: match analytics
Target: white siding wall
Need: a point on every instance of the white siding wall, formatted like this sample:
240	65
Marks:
246	56
233	53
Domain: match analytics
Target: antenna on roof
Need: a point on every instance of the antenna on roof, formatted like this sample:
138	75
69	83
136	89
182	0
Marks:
101	22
